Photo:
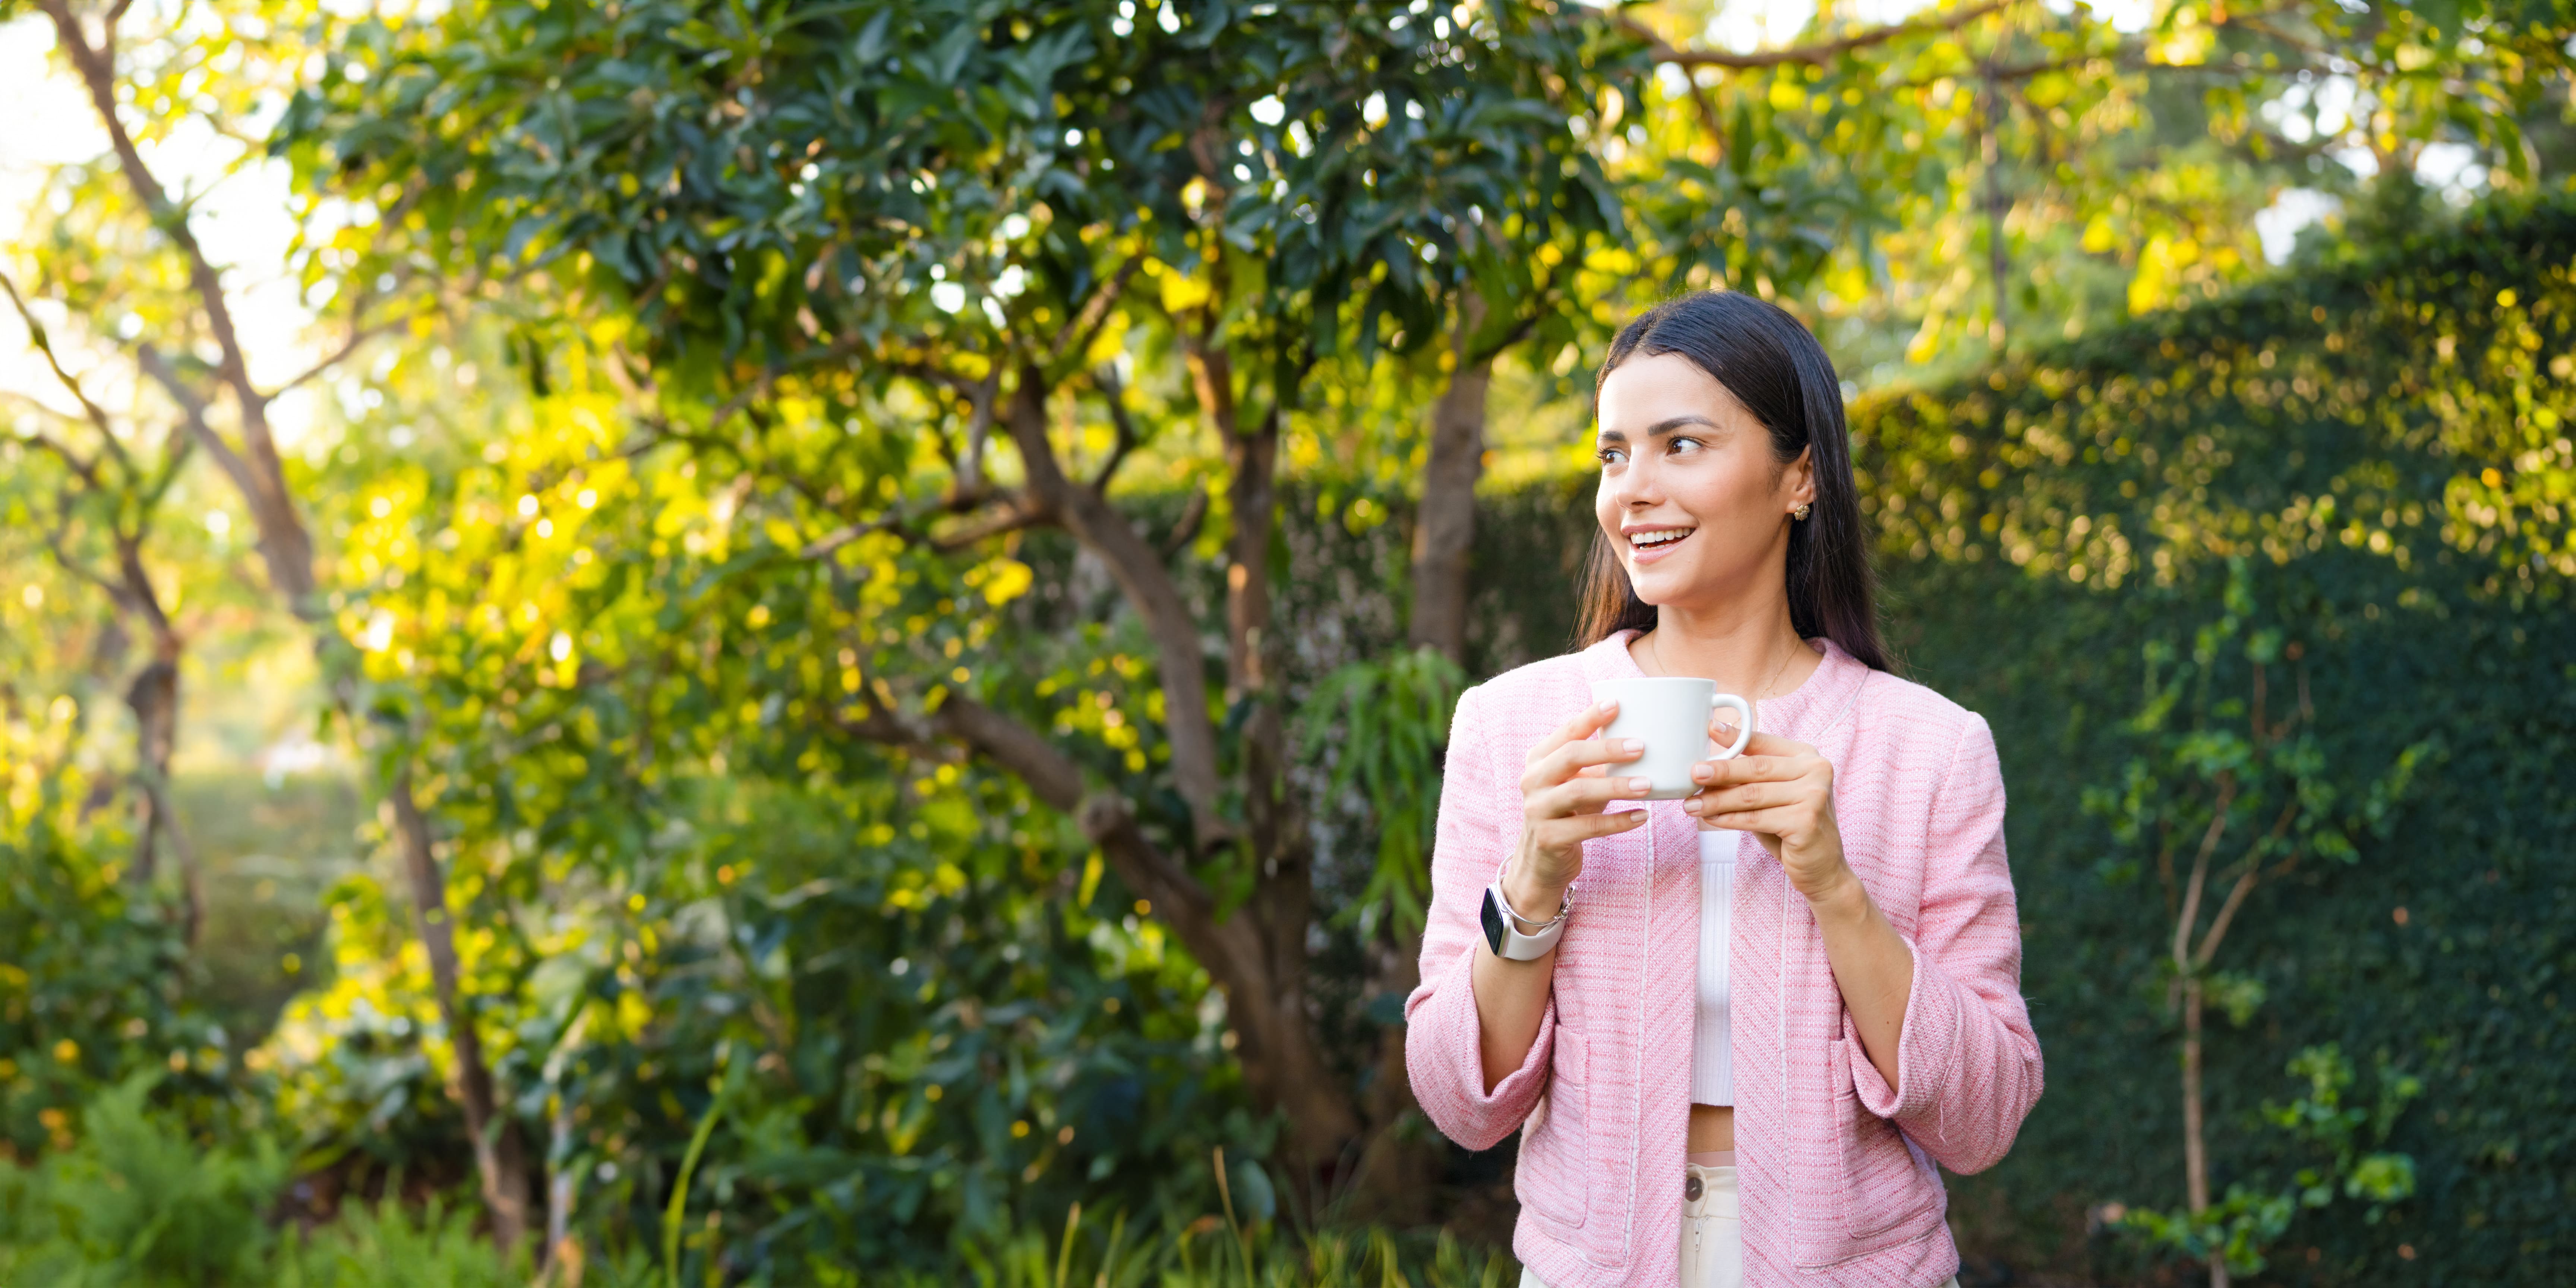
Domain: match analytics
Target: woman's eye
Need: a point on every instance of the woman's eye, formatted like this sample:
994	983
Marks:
1684	444
1610	455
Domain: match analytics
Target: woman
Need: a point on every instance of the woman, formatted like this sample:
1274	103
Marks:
1735	1063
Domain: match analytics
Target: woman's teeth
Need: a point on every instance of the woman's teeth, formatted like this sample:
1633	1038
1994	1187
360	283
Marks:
1650	540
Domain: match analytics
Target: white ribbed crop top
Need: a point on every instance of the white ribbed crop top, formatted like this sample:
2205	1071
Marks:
1712	1051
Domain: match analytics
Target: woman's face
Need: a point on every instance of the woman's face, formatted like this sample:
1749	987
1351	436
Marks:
1691	496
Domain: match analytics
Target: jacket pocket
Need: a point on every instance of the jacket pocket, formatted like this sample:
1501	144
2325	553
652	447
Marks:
1550	1176
1889	1195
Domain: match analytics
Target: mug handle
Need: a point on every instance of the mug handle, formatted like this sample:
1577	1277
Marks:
1743	726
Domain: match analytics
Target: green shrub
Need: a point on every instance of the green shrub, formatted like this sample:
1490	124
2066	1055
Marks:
94	976
1034	1046
137	1202
391	1247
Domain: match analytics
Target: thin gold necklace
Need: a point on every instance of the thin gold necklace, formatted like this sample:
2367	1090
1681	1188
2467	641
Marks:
1655	650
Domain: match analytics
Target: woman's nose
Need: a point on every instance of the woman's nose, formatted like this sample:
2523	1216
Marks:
1636	485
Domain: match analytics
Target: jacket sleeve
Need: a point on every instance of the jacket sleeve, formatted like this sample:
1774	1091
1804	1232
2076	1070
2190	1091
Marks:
1440	1036
1968	1067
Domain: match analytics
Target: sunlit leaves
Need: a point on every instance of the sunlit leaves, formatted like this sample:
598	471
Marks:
1958	168
2392	407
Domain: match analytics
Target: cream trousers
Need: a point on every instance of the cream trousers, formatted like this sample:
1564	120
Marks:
1712	1233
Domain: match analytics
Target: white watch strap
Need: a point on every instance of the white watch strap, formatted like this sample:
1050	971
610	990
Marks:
1503	928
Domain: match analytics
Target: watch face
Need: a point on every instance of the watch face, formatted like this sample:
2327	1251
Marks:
1493	919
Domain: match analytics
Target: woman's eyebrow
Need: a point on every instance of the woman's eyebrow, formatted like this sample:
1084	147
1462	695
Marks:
1662	427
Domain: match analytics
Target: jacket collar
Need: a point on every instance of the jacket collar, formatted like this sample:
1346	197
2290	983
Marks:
1804	713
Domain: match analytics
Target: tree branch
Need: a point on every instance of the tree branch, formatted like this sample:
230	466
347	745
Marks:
176	445
44	343
1126	425
1055	779
1710	121
2244	886
96	66
1149	587
54	541
771	375
1816	54
1011	518
1021	510
192	412
139	598
1520	331
824	545
1094	315
979	430
2190	912
1186	529
286	548
285	544
44	442
358	335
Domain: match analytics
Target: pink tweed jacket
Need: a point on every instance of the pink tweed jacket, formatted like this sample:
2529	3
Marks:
1836	1167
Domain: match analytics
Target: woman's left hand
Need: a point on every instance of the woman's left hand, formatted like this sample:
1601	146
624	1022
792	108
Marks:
1783	793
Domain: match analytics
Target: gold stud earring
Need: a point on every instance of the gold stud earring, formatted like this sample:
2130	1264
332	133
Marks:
1799	513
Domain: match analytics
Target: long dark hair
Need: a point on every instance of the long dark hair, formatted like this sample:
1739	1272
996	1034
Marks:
1773	365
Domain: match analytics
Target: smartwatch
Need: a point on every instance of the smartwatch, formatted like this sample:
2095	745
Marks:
1503	927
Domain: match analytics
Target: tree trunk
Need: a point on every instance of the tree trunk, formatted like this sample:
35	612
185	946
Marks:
1990	152
1399	1166
258	473
1444	532
1289	1070
2195	1142
154	699
499	1157
1257	956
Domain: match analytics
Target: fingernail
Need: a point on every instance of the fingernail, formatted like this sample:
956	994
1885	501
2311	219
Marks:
1631	744
1641	784
1703	772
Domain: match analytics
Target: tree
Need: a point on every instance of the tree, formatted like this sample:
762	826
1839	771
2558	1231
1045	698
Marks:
944	236
198	393
106	503
2215	807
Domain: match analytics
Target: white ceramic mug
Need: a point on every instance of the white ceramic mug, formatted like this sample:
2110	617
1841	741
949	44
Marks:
1670	714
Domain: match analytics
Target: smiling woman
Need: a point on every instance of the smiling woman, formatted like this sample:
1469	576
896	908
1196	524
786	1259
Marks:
1705	384
1732	1063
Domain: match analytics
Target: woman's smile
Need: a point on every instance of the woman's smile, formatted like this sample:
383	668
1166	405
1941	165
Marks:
1649	544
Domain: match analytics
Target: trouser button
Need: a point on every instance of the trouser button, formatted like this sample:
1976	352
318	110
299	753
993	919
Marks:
1691	1189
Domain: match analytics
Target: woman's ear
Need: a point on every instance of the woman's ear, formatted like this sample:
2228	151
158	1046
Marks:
1799	477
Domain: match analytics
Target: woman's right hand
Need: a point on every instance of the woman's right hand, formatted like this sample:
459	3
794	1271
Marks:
1563	794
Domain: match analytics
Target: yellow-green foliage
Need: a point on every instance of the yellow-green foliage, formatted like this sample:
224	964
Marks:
2411	406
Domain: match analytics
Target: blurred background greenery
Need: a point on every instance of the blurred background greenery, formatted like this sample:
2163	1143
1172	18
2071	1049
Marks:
780	643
